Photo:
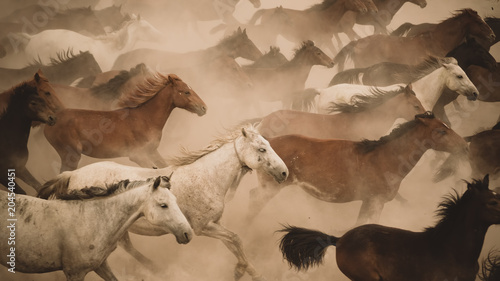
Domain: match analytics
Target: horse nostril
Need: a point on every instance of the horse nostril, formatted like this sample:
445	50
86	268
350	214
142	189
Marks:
283	174
186	235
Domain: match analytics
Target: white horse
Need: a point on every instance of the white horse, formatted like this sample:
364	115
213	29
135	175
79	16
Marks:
77	236
428	89
200	183
106	49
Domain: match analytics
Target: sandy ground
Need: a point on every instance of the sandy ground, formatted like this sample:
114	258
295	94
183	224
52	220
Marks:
207	259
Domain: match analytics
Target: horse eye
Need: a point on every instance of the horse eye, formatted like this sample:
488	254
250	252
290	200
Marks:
416	107
262	150
460	76
47	93
164	206
442	132
187	93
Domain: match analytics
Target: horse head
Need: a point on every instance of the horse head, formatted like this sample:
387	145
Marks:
46	92
439	136
161	210
408	104
456	80
239	45
255	152
309	54
185	97
476	26
486	201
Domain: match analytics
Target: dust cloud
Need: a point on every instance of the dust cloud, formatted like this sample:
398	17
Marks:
208	259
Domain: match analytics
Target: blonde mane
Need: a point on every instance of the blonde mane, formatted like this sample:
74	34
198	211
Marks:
189	157
147	90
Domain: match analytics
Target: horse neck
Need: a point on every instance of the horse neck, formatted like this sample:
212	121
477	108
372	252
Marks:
17	125
334	12
390	7
298	68
447	35
429	88
157	109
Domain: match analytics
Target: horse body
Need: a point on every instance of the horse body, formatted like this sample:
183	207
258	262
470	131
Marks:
49	237
133	132
487	82
335	177
200	182
447	251
412	50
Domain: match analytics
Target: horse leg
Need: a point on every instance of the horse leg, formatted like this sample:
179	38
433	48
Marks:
104	271
233	243
70	157
370	211
80	276
157	159
126	244
28	178
259	197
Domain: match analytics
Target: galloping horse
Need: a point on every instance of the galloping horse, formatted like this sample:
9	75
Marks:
343	171
487	82
77	236
236	45
413	50
273	58
25	105
134	132
447	251
200	182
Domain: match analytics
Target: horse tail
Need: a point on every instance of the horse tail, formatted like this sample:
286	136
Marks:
449	166
402	30
350	76
302	100
344	54
303	248
256	16
55	187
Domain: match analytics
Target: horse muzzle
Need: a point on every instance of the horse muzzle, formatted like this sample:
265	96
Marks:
51	120
473	96
184	237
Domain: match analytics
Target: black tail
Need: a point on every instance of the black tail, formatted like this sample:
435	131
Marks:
403	29
304	248
344	54
55	187
349	76
301	100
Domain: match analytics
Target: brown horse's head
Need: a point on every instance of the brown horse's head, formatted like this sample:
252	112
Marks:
37	110
46	92
308	54
185	97
408	105
239	45
440	137
486	200
475	26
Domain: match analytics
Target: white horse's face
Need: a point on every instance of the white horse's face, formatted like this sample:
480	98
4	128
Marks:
145	31
256	152
458	81
162	211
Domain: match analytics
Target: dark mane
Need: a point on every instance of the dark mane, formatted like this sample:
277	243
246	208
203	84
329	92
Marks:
491	267
422	69
452	210
296	53
366	146
230	39
322	6
360	103
463	12
111	89
62	57
95	192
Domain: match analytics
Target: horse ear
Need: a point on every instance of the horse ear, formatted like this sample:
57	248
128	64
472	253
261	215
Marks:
486	180
243	132
167	180
157	183
239	29
245	31
39	76
409	87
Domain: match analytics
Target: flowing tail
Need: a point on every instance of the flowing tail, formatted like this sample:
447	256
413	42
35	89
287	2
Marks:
350	76
403	29
304	248
302	100
256	16
449	166
55	187
344	54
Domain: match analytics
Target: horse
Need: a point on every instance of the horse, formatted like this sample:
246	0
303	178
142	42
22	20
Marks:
25	106
379	20
81	20
64	69
316	23
276	84
107	95
490	270
429	88
236	45
134	132
105	49
340	171
52	239
412	50
273	58
379	110
200	182
487	82
112	17
372	252
483	156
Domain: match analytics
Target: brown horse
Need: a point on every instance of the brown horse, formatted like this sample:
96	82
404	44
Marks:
378	111
25	105
486	81
343	171
236	45
316	23
273	58
447	251
275	84
412	50
133	132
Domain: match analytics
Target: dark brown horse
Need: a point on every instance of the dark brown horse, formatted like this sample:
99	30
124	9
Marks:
447	251
490	270
368	117
25	106
412	50
133	132
486	81
341	171
236	45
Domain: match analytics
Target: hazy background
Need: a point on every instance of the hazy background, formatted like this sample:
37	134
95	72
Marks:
208	259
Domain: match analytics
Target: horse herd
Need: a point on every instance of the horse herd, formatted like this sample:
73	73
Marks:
356	138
